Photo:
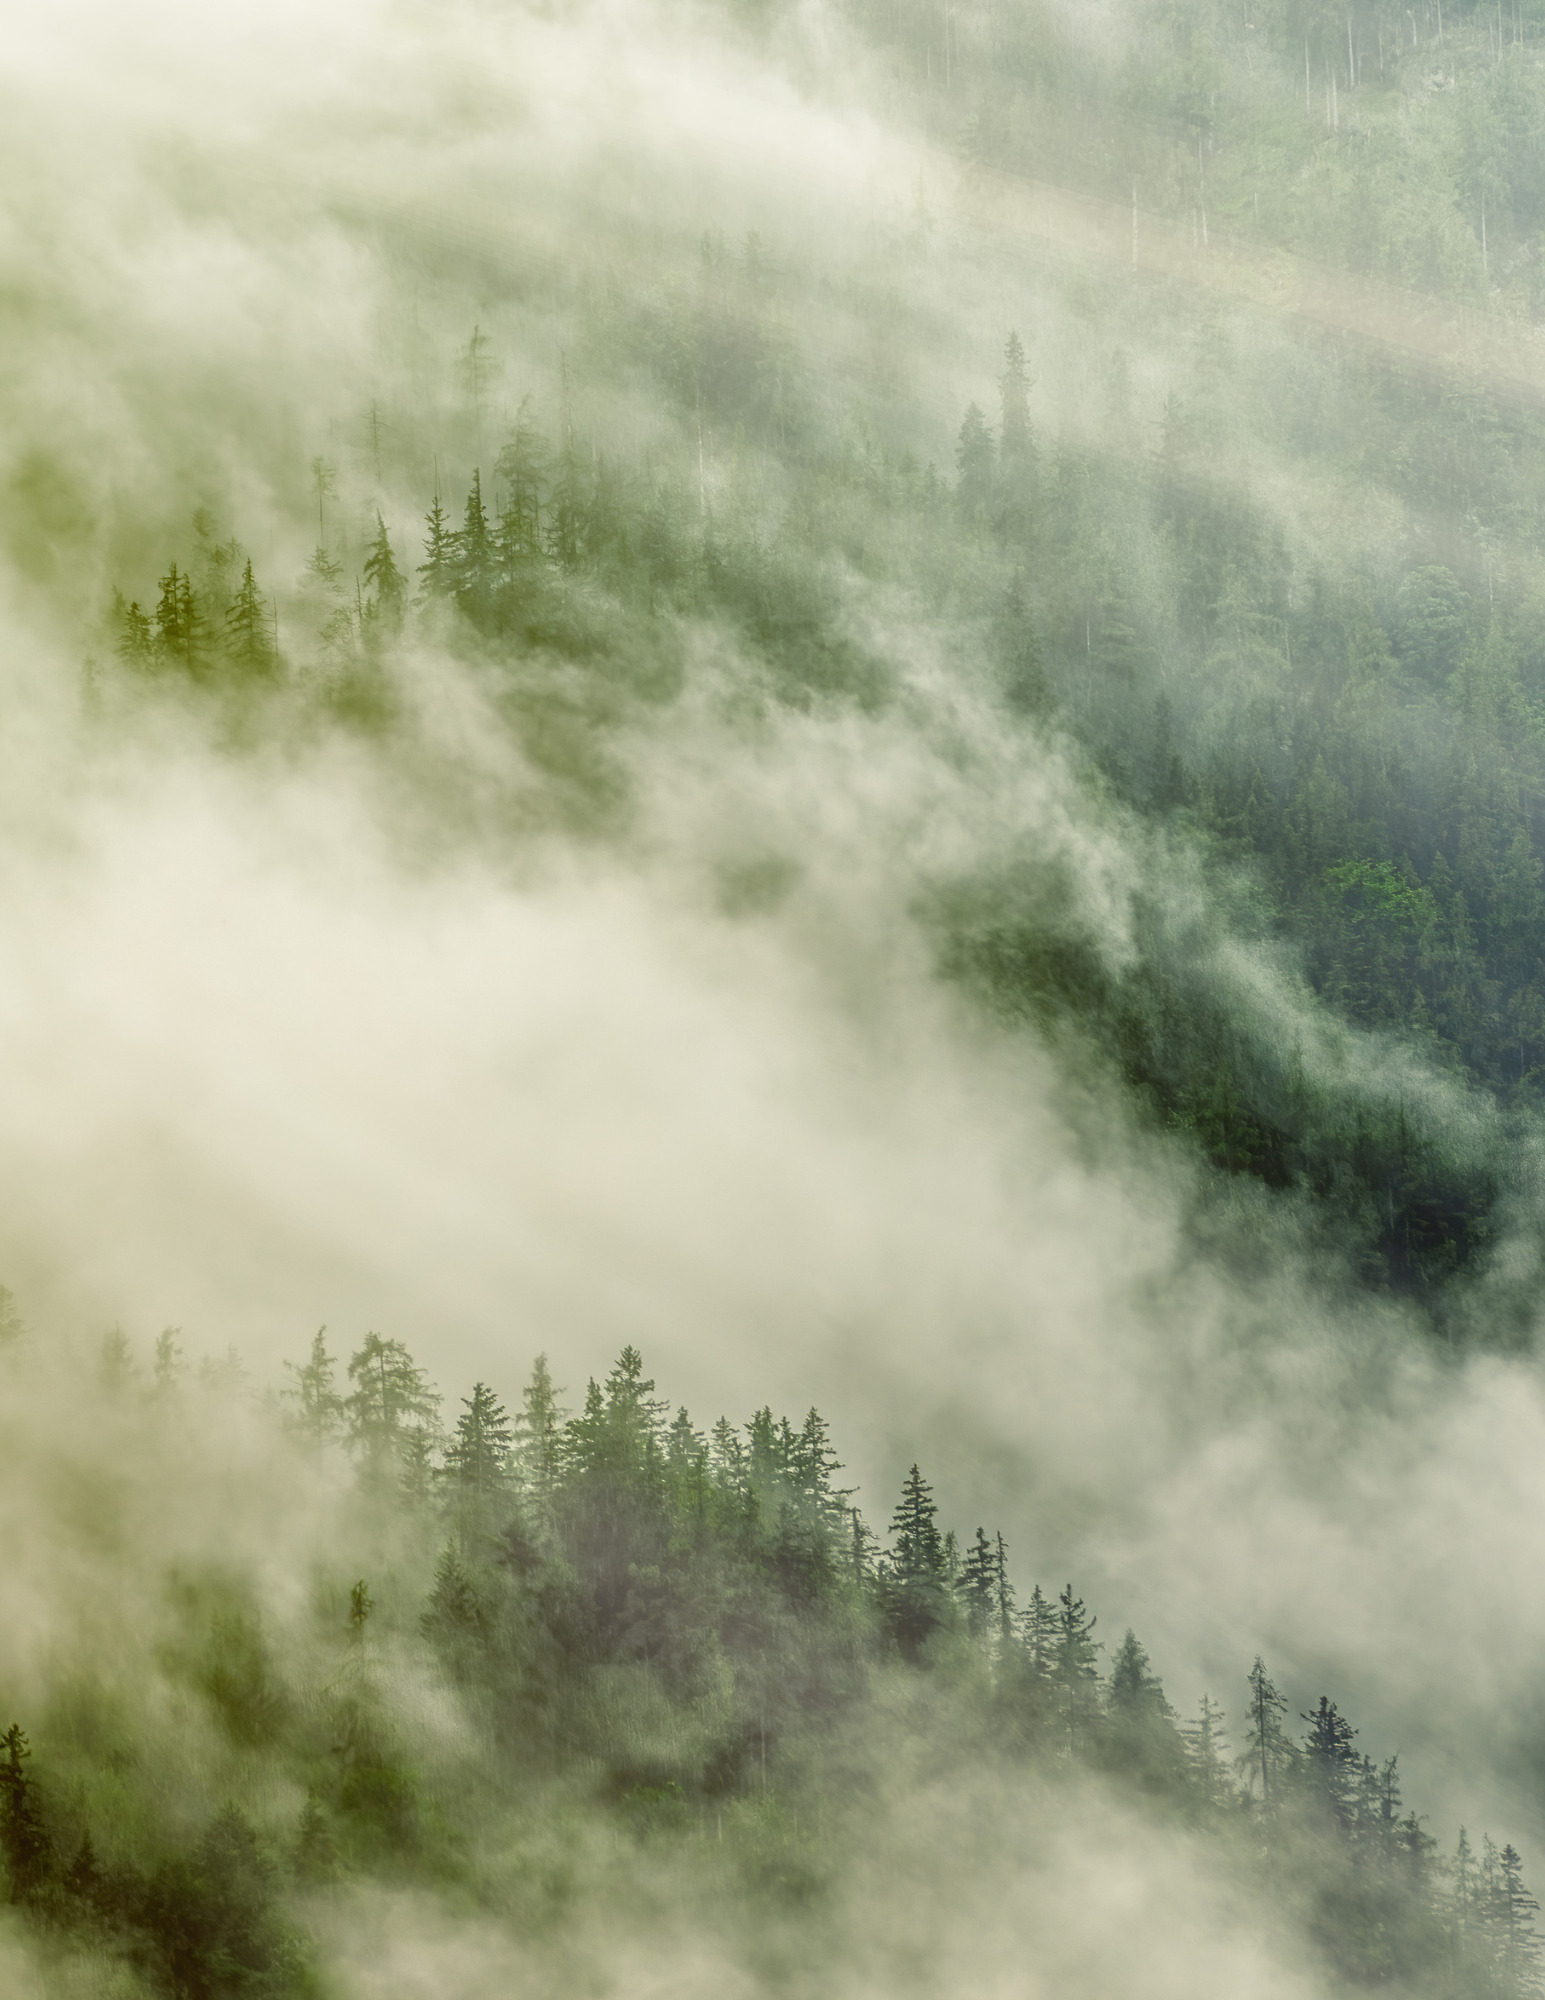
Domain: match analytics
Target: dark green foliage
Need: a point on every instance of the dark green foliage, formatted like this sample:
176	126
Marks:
248	630
318	1409
390	1409
25	1844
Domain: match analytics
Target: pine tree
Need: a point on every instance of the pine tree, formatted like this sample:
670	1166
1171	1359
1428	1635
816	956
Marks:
169	1366
1016	447
521	467
1206	1742
916	1574
319	1410
1039	1628
416	1463
248	638
1516	1941
917	1548
391	1393
438	569
1332	1762
135	644
455	1615
115	1362
539	1438
474	559
180	638
316	1853
385	582
24	1843
977	1585
686	1468
478	1459
1267	1755
1131	1687
1003	1597
1073	1663
812	1463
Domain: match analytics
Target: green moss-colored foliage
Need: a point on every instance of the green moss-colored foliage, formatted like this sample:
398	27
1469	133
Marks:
673	1656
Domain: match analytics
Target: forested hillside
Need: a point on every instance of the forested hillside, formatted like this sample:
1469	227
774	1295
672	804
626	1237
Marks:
611	1654
852	693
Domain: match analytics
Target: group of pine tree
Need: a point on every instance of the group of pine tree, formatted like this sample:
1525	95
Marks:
1379	770
623	1539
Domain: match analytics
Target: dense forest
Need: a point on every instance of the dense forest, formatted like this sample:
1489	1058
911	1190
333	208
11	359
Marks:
685	1644
1003	541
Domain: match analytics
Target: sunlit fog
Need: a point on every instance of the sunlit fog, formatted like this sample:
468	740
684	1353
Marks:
772	999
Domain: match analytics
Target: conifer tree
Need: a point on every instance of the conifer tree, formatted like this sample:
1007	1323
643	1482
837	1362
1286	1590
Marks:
1131	1687
169	1366
1206	1742
24	1842
1074	1669
319	1409
917	1548
521	467
135	644
1517	1943
812	1464
916	1575
1332	1762
539	1443
1039	1628
474	558
385	582
438	569
180	638
390	1397
478	1458
1016	446
977	1585
248	639
1268	1754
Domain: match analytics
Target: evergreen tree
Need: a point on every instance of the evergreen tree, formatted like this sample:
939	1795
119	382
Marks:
1516	1941
438	569
387	586
478	1459
474	558
1016	447
390	1397
916	1573
319	1410
1206	1742
1039	1628
1073	1664
521	468
1268	1754
135	644
977	1586
539	1445
180	638
1332	1762
24	1841
248	638
169	1366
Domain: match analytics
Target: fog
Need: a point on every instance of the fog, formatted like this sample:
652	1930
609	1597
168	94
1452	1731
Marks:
414	1036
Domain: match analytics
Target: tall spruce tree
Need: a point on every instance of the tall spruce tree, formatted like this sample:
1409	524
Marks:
1268	1754
25	1845
318	1409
